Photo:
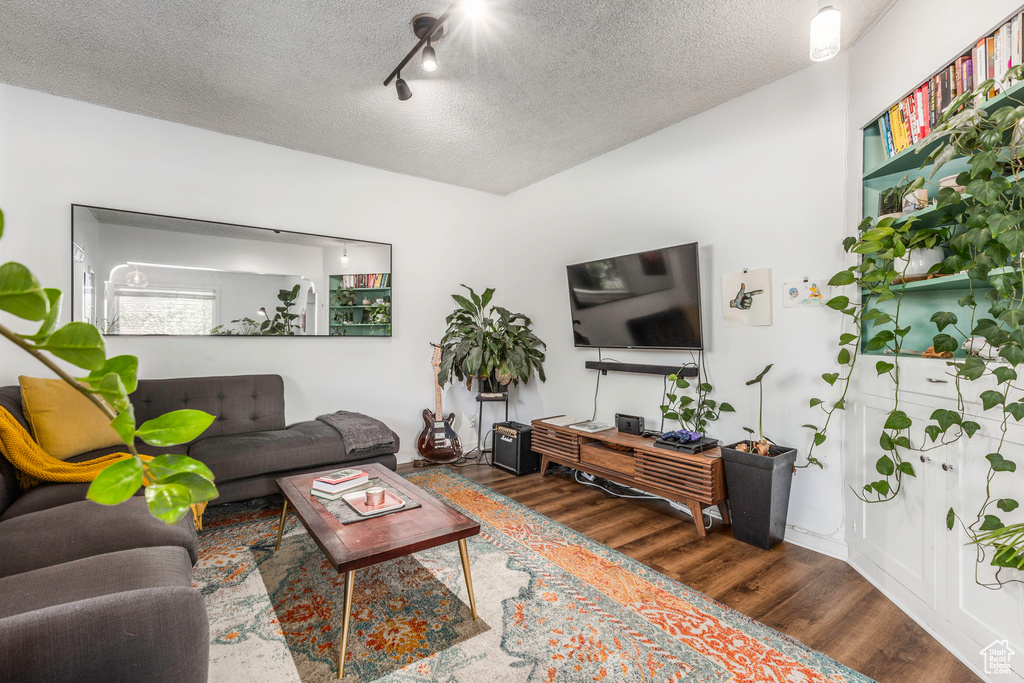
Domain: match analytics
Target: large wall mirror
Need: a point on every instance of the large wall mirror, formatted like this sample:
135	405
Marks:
143	274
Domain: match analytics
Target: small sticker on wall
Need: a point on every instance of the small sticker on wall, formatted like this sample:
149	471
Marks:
805	293
747	297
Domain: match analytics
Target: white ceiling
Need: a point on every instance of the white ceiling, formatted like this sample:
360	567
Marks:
538	87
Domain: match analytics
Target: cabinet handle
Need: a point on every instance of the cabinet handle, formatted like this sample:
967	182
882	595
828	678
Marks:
925	458
937	381
947	467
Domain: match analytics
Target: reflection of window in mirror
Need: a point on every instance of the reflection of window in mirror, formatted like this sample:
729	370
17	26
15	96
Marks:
168	275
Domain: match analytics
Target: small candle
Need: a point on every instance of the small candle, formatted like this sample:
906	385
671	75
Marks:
374	496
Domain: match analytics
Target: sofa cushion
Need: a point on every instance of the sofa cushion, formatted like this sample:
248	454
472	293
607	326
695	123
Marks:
10	400
83	529
306	444
242	403
91	577
64	422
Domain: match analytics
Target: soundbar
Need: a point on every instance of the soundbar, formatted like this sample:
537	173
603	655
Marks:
641	368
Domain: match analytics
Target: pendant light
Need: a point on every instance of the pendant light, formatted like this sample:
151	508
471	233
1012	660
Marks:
825	32
136	278
429	60
344	256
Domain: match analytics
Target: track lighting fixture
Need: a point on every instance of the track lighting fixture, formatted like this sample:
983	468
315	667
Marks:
402	88
429	30
429	60
825	32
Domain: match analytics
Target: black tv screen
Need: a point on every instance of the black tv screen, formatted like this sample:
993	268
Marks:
647	300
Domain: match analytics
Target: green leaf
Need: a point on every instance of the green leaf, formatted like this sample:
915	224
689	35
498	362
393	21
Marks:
882	487
726	408
990	399
944	342
844	356
967	301
898	420
168	502
943	319
50	321
838	303
885	466
164	466
1004	374
816	402
179	426
950	519
79	344
760	375
1012	353
21	294
124	424
830	377
972	368
1007	504
819	439
885	441
847	338
933	432
1001	464
883	367
907	469
200	488
970	428
1016	409
946	418
843	277
125	367
991	523
1	223
116	483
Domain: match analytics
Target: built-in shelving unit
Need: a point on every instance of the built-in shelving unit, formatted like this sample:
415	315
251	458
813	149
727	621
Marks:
370	313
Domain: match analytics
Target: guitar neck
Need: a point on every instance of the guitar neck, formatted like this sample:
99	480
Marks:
437	395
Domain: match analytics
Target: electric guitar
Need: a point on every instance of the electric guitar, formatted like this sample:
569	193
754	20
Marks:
438	442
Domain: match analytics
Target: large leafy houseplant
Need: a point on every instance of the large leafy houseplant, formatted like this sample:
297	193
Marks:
281	324
982	232
484	343
173	482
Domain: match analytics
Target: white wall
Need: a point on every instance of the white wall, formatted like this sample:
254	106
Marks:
758	182
55	152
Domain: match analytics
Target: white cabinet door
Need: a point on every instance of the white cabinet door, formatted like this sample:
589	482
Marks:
899	536
982	614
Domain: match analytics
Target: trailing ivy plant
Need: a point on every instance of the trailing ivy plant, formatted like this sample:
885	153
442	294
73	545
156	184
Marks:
983	233
174	482
692	411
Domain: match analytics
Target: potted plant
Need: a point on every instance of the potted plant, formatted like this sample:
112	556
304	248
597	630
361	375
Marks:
493	345
759	475
696	411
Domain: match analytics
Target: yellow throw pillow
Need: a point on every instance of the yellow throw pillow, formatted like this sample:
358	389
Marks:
64	422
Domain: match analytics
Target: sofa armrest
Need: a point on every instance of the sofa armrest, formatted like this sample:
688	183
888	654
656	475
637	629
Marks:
153	634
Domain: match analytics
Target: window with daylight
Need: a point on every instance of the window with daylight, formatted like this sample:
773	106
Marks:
163	311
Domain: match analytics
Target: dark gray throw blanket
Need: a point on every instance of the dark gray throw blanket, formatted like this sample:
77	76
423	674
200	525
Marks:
361	432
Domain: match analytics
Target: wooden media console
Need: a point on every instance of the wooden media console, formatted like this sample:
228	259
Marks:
697	480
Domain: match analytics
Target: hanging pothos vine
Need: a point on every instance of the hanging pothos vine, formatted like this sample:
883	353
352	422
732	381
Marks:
983	233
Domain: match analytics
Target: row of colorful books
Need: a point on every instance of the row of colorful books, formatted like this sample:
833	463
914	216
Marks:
365	280
908	121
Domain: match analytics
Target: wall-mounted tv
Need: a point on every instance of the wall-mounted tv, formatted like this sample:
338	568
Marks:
647	300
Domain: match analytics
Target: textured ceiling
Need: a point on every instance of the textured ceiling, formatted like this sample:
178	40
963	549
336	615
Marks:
537	87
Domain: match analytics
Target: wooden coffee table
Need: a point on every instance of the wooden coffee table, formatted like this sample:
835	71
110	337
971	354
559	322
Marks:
361	544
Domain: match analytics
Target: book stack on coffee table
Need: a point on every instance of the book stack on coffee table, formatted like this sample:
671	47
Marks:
336	484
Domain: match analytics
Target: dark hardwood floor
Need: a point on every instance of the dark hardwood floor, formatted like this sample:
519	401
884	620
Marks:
822	602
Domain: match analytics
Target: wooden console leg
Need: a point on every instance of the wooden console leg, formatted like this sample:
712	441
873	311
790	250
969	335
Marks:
698	518
543	465
723	509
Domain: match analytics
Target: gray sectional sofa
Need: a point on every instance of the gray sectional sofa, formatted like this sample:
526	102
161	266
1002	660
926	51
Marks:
91	593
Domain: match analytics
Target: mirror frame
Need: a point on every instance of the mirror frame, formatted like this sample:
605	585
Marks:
391	270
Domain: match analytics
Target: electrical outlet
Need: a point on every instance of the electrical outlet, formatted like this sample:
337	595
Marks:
471	419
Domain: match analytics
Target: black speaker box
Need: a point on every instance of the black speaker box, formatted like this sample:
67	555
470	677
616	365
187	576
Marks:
512	451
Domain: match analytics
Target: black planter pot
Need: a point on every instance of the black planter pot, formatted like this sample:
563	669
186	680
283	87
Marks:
490	385
759	488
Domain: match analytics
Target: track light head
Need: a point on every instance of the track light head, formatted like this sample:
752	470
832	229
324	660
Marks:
402	88
429	60
474	9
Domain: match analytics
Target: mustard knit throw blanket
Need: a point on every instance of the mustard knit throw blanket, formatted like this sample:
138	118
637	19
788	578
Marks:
34	465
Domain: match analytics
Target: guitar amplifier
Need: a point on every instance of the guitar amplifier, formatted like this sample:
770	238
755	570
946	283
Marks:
512	451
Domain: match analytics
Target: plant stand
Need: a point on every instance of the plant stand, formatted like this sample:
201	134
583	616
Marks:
758	488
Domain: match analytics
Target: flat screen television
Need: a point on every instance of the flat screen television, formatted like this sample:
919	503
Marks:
647	300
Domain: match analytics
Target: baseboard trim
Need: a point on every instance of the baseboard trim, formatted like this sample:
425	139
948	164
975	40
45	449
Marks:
819	543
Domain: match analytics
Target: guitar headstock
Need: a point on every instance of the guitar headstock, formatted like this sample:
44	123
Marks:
436	362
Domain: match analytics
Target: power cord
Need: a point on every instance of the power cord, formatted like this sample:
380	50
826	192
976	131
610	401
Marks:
480	453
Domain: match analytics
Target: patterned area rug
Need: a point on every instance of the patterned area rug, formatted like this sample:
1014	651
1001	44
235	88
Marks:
553	606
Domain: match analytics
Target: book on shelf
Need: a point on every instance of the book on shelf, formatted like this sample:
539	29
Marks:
365	281
910	120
